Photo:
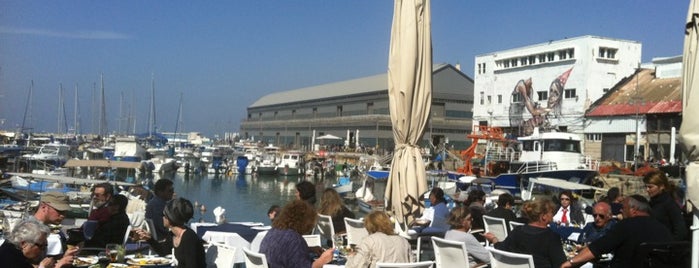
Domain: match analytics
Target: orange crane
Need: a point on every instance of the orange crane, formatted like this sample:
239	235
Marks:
480	132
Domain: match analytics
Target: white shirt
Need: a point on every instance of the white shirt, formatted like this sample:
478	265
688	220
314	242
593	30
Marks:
559	215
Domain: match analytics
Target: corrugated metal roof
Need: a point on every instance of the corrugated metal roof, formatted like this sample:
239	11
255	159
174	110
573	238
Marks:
367	84
641	93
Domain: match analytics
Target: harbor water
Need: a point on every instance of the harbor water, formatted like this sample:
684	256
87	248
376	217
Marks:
245	197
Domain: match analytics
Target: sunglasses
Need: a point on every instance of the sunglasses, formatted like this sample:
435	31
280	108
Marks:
62	213
601	216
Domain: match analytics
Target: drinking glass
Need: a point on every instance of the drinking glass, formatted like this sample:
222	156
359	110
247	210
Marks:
112	251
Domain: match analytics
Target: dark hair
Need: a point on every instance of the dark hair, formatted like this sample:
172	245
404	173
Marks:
612	194
505	199
120	201
307	191
567	193
274	208
438	194
161	185
473	196
108	188
457	216
178	211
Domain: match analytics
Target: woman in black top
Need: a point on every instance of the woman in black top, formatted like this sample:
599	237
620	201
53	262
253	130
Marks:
189	250
331	205
534	238
663	205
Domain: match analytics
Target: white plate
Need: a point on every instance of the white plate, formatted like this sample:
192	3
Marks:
149	261
86	261
261	228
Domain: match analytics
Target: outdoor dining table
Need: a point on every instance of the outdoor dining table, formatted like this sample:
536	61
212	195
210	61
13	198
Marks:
247	231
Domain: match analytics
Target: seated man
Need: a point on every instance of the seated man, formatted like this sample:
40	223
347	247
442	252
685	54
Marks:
434	218
602	224
113	231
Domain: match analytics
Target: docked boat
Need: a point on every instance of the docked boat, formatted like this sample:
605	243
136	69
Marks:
511	163
370	196
268	160
291	164
49	159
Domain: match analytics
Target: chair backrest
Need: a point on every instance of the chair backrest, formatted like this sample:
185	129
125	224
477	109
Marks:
504	259
514	224
126	236
254	260
151	229
422	264
220	256
448	253
255	244
325	227
356	231
496	226
312	240
664	254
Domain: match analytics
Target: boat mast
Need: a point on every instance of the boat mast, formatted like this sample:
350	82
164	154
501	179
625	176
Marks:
62	119
151	113
27	109
179	118
103	111
76	123
121	111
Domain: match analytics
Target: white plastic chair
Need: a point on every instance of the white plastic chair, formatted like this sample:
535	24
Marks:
496	226
126	236
312	240
255	244
448	253
230	239
151	229
422	264
254	260
504	259
220	256
356	231
514	224
325	227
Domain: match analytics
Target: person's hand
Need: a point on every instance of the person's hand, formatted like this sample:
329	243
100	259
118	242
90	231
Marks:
327	255
490	237
566	264
47	262
142	235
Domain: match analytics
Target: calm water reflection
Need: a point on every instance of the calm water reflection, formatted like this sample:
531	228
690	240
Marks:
245	197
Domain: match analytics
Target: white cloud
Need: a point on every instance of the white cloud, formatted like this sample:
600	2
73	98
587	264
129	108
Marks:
71	35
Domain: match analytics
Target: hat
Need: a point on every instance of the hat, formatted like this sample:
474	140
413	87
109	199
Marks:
56	200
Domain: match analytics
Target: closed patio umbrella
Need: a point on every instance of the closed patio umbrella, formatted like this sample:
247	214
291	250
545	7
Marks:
410	96
689	132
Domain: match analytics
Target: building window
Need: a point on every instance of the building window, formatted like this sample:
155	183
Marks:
506	63
370	108
315	112
605	90
490	99
607	53
542	58
293	114
339	110
550	56
482	98
524	61
569	93
593	137
499	99
259	115
275	115
532	59
516	98
514	62
484	67
543	95
562	54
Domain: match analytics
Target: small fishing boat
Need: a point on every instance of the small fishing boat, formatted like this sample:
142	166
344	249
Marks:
291	164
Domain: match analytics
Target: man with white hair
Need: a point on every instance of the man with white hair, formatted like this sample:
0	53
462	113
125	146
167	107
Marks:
25	245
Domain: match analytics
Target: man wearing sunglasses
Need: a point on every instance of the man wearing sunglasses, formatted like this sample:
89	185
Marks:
52	209
602	212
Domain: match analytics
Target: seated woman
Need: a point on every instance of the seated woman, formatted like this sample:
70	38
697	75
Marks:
331	205
284	245
436	215
26	244
382	244
460	220
189	249
534	238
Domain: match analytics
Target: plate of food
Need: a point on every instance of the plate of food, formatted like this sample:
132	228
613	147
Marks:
85	261
148	261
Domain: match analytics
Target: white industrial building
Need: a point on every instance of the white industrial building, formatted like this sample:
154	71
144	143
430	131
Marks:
566	76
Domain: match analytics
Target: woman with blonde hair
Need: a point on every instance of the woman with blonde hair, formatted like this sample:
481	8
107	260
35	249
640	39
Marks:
382	244
460	220
662	202
284	245
535	238
331	205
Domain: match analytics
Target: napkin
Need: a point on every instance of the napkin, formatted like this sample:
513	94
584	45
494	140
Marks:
219	214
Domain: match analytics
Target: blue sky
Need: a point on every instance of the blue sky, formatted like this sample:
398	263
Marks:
224	55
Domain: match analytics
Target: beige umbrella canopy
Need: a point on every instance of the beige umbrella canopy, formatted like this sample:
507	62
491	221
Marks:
689	132
410	96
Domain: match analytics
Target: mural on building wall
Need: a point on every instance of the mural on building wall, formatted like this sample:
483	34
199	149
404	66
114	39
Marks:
522	100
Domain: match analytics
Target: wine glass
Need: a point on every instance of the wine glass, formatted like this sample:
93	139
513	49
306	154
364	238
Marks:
112	251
